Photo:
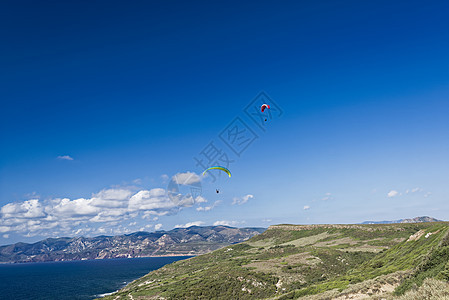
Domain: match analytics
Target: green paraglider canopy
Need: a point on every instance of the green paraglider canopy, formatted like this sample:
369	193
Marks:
218	168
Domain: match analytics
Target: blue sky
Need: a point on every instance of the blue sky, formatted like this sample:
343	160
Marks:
132	92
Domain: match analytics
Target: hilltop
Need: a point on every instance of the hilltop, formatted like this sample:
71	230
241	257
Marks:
194	240
413	220
381	261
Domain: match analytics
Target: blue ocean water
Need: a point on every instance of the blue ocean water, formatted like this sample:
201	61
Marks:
80	280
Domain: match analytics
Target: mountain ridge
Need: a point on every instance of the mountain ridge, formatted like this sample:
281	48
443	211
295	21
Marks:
411	220
193	240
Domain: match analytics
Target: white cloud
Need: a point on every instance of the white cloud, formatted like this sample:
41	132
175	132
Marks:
66	208
6	236
25	210
327	196
200	199
186	201
416	190
392	194
306	207
186	178
65	157
226	223
165	178
182	200
111	198
108	211
150	213
5	228
242	200
153	199
208	208
187	225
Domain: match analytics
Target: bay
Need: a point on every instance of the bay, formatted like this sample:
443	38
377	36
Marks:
80	280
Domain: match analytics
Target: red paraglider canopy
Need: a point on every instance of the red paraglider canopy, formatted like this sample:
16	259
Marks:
262	108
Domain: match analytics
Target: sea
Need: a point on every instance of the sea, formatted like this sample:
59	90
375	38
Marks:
75	280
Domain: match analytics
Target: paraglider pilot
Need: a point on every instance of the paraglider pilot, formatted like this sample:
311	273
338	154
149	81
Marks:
263	107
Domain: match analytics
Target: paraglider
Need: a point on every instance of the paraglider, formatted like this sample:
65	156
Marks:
263	107
218	168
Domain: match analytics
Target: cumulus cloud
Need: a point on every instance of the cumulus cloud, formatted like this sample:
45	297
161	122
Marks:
26	210
111	198
306	207
72	209
207	208
187	225
226	223
392	193
5	228
200	199
182	200
165	178
108	211
65	157
414	191
149	214
157	226
242	200
186	178
154	199
327	196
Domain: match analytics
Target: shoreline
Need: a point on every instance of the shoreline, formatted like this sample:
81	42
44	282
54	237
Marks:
93	259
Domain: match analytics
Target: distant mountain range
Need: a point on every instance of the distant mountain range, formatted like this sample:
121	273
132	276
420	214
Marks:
414	220
194	240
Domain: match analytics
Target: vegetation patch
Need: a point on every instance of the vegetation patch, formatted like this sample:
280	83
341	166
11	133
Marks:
305	241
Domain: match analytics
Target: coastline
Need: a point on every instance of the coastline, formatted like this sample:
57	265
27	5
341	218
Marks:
95	259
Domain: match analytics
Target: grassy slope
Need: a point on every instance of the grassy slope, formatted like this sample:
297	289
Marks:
291	261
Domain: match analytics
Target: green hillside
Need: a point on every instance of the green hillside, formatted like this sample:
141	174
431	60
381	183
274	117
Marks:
310	261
